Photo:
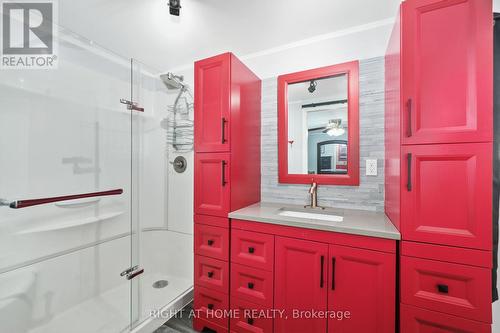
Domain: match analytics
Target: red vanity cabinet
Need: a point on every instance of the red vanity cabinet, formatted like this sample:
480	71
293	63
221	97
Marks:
323	281
212	98
300	284
446	194
362	282
438	163
447	57
226	175
415	319
212	183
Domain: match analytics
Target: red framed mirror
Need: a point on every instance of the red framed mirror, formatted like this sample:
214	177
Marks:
318	126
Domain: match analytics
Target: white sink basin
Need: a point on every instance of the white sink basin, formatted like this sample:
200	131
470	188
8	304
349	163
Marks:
312	215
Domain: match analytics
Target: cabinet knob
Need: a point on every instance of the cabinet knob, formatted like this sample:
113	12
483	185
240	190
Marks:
210	242
210	306
251	250
210	274
442	288
250	321
250	285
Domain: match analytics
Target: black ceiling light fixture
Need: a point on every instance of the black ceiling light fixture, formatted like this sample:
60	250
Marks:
175	7
312	86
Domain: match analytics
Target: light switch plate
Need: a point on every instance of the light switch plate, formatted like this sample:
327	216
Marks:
371	167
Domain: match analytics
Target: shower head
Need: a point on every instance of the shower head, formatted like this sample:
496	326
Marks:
173	81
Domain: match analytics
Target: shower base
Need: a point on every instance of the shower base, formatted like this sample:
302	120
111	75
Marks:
111	310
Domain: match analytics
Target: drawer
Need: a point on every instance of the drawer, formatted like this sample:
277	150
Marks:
249	318
416	320
252	249
211	273
206	326
252	284
211	305
211	241
456	289
215	221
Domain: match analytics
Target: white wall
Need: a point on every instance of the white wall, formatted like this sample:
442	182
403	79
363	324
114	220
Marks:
361	42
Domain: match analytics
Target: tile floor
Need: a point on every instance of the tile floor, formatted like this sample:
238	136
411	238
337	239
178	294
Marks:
181	323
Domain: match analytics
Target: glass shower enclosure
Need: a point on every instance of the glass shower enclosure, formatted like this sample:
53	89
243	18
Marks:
84	239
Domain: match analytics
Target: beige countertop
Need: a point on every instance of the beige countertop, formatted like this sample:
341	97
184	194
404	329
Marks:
356	222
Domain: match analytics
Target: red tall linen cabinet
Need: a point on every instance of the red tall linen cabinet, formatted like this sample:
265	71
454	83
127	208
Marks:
226	175
438	168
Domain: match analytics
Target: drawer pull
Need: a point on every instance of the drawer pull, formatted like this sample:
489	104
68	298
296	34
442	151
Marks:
250	321
251	250
442	288
408	107
210	242
250	285
223	130
333	273
210	274
210	306
322	271
223	170
408	182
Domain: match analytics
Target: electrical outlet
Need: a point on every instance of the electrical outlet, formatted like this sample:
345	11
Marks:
371	167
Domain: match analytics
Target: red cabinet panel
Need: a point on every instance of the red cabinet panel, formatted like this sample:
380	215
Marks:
212	184
300	284
252	249
211	241
252	284
456	289
203	325
215	221
446	194
208	305
212	104
416	320
211	273
447	87
458	255
251	318
363	283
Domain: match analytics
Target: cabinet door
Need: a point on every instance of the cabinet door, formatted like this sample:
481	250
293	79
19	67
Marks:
446	194
211	184
212	104
362	290
447	64
300	285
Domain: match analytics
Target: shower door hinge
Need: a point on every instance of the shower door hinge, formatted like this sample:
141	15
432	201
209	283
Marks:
131	105
132	272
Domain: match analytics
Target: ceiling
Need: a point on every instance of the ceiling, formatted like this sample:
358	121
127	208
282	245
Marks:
143	29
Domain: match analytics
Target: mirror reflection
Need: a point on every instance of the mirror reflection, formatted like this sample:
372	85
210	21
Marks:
317	126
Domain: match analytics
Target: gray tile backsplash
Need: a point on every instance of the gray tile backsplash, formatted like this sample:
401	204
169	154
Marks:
369	195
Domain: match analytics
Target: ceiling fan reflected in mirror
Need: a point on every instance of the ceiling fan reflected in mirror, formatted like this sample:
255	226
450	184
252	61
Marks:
334	127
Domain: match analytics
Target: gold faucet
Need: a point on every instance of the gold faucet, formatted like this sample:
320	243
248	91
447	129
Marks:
313	191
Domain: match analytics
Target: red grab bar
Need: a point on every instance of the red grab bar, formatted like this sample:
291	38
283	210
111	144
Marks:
34	202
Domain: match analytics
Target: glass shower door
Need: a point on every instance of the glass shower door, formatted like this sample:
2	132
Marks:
66	188
148	192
